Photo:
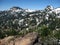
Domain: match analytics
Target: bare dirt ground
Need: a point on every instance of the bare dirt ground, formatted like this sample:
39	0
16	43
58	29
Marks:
26	40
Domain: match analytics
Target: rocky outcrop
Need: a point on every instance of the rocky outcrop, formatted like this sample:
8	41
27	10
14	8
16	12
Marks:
28	39
6	40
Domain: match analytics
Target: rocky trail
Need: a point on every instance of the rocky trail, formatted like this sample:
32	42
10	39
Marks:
28	39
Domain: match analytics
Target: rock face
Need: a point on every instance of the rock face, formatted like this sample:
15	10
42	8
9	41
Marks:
26	40
6	40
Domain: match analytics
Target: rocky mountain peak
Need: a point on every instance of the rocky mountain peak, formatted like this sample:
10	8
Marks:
15	7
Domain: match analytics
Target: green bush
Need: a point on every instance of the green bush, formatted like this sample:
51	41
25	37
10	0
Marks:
2	34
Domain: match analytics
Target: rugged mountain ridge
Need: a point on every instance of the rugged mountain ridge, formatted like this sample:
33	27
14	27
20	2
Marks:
21	18
16	21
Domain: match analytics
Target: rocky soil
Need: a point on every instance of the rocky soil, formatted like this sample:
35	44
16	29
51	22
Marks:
28	39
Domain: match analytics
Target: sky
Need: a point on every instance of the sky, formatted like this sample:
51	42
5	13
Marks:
28	4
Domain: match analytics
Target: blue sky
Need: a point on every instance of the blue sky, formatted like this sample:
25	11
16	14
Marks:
30	4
